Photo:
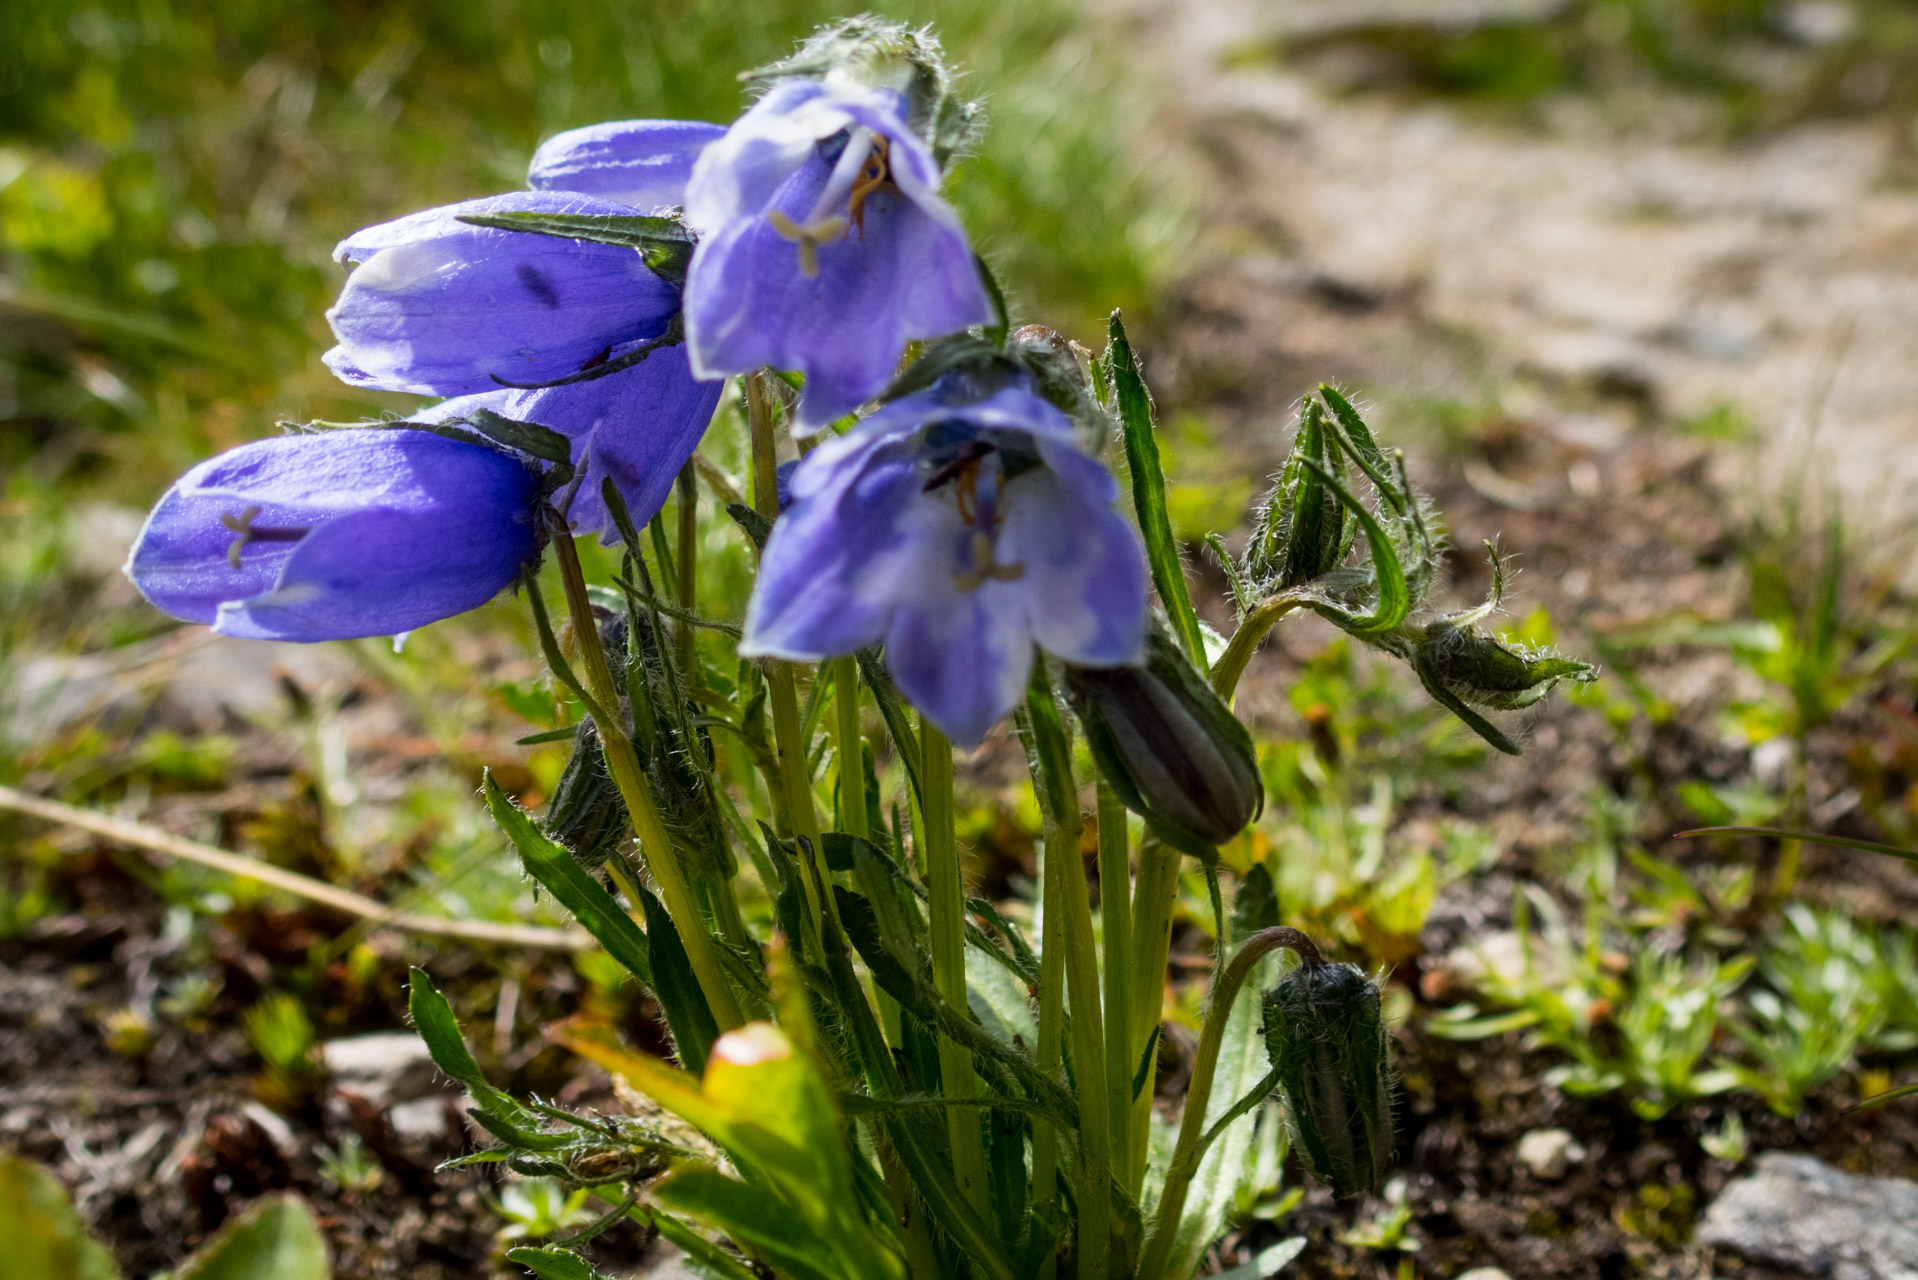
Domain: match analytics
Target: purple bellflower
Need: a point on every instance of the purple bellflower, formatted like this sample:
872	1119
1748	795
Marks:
542	328
958	530
339	534
825	246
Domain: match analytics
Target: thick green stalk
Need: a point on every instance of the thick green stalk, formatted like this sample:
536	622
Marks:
946	893
662	859
1252	629
1151	942
1198	1094
1052	1021
1067	898
686	560
852	749
1115	920
795	772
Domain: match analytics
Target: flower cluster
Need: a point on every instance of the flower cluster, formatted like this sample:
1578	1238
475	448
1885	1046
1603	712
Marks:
646	262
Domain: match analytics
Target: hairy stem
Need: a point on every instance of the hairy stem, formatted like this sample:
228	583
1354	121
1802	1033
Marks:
1192	1126
1066	897
1238	651
852	752
662	859
1151	942
686	560
946	894
1115	917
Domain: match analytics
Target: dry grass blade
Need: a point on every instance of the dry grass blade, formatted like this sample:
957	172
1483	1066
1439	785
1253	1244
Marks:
141	836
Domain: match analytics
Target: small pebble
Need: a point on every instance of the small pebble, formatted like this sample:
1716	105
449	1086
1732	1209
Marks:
1484	1273
1549	1153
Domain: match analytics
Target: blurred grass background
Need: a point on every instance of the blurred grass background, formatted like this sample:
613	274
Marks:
173	178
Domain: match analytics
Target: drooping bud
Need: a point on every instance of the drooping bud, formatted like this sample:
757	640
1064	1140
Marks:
1170	748
586	814
1325	1033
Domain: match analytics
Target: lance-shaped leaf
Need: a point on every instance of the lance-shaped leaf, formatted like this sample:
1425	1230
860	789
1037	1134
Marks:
665	243
1134	403
575	888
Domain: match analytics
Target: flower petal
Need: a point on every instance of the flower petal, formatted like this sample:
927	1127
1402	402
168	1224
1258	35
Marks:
440	307
638	426
352	533
906	272
642	163
962	658
1084	586
830	576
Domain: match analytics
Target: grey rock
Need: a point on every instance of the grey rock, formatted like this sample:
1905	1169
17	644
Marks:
384	1068
1484	1273
1549	1153
1799	1213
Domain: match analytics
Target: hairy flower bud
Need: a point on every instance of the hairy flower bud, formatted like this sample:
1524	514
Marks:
1174	753
1325	1033
586	814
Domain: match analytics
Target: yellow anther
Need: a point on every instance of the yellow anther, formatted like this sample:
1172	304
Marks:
986	571
808	237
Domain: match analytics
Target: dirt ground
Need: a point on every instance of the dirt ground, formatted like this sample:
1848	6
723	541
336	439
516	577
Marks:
1582	290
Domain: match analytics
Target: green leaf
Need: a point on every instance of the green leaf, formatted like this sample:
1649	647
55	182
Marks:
1148	489
575	888
665	243
529	438
677	987
553	1264
756	526
1394	600
1810	837
1241	1066
43	1235
704	1253
434	1019
779	1234
275	1239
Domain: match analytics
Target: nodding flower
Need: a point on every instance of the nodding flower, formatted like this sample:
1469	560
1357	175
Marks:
958	526
338	534
577	336
825	246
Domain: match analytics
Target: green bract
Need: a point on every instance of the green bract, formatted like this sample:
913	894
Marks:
1326	1036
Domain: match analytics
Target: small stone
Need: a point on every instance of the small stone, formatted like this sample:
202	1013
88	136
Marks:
1484	1273
423	1117
1549	1153
1798	1213
383	1068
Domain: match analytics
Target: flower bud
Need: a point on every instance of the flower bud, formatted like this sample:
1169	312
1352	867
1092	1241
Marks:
1305	531
1172	751
586	814
1487	673
1325	1033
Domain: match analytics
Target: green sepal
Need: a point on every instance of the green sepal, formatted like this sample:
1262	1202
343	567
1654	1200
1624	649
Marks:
665	244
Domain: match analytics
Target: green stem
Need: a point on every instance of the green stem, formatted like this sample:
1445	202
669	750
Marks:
1115	919
686	560
1252	629
795	772
1052	1018
852	750
662	859
1151	941
1067	898
1198	1095
946	894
